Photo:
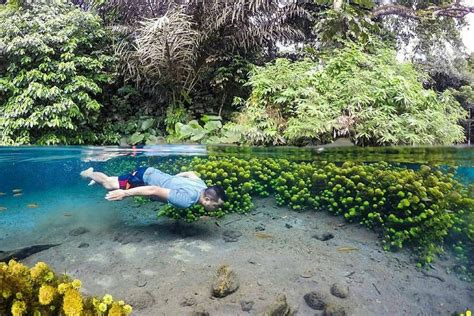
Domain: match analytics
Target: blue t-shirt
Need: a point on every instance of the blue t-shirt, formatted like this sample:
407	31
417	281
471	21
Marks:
184	191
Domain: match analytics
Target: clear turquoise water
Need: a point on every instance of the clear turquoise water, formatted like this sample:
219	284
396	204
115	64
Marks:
49	177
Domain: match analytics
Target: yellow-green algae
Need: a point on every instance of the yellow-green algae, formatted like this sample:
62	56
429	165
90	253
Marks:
39	291
425	208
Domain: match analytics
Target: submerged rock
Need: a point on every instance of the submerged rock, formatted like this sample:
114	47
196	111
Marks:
260	228
225	283
83	245
340	290
279	308
323	236
20	254
334	310
246	305
188	301
231	235
315	300
200	311
78	231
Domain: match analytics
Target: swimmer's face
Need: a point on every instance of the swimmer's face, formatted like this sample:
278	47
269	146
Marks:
211	204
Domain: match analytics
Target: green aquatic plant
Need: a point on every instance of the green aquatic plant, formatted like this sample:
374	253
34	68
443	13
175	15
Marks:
39	291
416	208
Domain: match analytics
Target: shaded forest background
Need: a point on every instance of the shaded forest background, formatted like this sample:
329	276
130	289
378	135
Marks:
255	72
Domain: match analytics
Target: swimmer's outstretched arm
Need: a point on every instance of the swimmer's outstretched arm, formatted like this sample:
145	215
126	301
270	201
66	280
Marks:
150	191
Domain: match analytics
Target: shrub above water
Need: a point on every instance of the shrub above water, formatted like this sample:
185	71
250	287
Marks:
53	61
368	96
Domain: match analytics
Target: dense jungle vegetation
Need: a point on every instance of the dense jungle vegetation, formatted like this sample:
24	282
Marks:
247	72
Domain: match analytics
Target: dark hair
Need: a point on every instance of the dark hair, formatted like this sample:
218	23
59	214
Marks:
215	193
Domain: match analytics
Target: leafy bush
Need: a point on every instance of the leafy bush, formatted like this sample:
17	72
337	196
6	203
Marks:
416	208
39	291
212	132
140	130
368	96
53	62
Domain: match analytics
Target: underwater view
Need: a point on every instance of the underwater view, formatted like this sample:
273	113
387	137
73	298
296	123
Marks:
301	231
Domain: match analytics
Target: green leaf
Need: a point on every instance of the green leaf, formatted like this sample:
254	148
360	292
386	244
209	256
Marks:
198	134
135	138
206	118
146	124
211	126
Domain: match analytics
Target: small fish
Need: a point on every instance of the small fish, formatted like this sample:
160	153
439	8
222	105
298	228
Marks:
2	193
2	208
17	194
347	249
17	190
67	214
263	235
32	205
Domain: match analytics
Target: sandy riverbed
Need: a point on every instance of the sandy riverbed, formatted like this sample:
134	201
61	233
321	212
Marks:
164	269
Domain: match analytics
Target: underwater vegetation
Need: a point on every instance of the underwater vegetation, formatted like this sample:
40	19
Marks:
39	291
426	208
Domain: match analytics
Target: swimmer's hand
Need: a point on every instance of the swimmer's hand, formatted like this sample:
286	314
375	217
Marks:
115	195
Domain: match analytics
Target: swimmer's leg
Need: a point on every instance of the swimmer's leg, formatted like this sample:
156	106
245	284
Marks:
110	183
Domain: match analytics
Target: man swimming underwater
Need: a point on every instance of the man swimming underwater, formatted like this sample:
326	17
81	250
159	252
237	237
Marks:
181	190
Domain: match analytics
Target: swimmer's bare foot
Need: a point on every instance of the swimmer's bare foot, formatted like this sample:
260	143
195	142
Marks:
87	173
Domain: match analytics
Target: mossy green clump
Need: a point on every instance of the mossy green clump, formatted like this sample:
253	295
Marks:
39	291
240	178
418	208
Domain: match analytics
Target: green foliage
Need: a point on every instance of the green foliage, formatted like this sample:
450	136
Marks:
212	132
196	54
350	22
140	129
195	132
175	113
415	208
462	236
54	61
368	96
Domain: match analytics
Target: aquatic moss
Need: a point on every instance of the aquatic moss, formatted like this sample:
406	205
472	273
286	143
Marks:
415	207
72	302
46	294
38	291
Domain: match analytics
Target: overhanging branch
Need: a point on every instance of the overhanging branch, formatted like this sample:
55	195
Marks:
455	11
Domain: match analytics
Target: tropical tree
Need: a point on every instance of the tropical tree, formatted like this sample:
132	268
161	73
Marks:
186	51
